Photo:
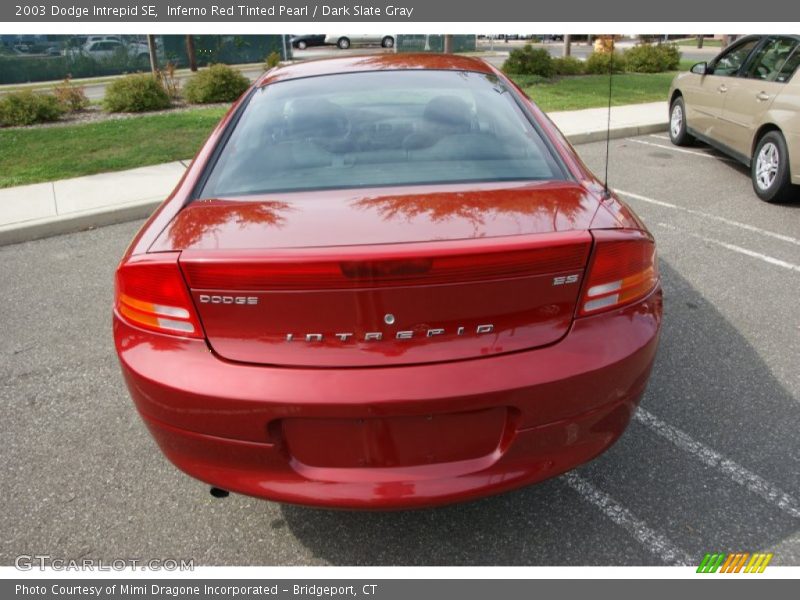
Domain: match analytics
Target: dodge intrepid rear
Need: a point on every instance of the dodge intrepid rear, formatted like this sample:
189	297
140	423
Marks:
386	282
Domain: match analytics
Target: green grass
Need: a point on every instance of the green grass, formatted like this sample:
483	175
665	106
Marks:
591	91
49	153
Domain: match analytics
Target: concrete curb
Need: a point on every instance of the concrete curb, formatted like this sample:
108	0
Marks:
140	209
620	132
77	221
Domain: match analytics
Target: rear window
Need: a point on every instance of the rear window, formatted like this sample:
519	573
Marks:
384	128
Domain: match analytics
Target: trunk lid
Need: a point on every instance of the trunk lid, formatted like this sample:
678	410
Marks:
376	279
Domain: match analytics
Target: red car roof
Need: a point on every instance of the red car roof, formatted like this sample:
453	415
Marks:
374	62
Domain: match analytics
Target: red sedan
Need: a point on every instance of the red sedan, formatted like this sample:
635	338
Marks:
386	282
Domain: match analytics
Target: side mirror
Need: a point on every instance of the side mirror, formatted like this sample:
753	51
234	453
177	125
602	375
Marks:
700	68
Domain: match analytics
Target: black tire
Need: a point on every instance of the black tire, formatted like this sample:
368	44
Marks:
387	42
677	124
302	45
343	43
769	169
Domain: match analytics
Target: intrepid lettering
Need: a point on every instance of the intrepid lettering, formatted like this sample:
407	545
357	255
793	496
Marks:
376	336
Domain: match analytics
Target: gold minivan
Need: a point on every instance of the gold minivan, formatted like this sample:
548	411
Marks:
746	103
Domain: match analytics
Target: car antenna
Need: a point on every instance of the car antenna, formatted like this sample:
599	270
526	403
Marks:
606	193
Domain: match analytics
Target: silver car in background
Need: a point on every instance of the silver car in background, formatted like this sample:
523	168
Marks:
345	40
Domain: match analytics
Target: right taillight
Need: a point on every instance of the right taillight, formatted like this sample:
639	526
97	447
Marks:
623	269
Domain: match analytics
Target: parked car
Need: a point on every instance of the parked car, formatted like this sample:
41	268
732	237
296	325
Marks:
746	103
106	49
102	38
77	42
301	42
344	41
385	282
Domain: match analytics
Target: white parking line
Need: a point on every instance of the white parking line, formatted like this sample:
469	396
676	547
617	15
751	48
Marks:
682	150
714	459
764	257
661	137
650	539
651	200
691	211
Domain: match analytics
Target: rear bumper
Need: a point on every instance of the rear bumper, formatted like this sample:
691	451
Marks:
225	423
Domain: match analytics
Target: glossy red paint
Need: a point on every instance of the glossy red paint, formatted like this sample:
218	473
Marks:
389	215
374	62
401	421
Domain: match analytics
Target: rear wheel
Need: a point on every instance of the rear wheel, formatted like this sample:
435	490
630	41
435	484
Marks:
343	43
387	42
301	45
677	124
770	169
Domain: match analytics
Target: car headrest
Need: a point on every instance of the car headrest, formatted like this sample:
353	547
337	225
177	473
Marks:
314	117
450	111
769	59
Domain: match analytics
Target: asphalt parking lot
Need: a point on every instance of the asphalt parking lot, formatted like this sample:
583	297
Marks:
710	463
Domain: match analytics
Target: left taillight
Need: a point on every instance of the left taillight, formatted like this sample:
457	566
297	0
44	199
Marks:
150	292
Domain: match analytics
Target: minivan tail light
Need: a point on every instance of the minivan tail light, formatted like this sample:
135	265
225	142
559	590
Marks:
623	268
150	293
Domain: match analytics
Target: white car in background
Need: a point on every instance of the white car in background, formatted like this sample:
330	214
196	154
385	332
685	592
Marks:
345	40
102	38
108	48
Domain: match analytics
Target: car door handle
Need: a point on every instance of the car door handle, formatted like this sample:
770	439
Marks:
762	96
722	89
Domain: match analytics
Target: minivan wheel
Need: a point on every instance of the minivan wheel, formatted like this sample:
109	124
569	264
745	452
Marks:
387	42
677	124
770	169
343	43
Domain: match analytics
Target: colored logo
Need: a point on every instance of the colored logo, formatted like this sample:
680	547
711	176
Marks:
740	562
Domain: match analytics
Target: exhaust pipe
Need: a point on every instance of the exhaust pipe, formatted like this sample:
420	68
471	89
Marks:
219	492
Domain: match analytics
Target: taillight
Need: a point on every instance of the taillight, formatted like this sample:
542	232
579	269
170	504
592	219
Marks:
623	269
150	292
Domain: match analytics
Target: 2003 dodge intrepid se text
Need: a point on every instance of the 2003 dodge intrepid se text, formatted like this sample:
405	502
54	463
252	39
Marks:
386	281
